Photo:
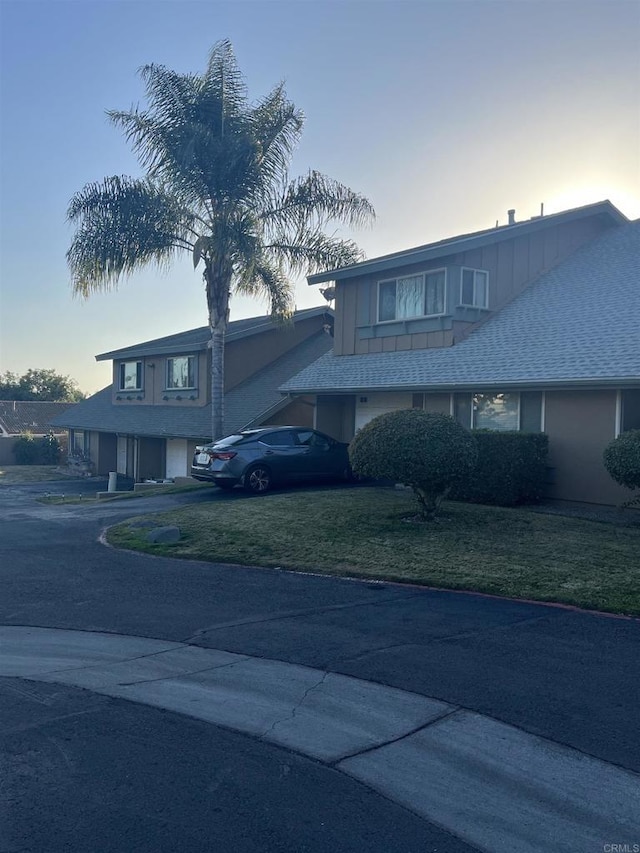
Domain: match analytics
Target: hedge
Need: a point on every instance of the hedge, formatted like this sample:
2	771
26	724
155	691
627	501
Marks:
37	451
511	469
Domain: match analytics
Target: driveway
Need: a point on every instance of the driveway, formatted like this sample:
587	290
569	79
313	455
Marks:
566	677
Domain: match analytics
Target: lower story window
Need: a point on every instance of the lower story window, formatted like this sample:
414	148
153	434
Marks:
496	411
630	409
502	411
79	443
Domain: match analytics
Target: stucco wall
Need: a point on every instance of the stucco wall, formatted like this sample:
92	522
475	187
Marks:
580	424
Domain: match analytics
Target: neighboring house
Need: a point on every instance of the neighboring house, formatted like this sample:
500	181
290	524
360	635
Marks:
148	422
532	326
18	417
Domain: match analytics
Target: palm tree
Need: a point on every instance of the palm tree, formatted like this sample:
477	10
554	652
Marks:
217	185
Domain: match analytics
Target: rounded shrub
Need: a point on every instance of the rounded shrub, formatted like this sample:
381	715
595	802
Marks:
622	459
426	451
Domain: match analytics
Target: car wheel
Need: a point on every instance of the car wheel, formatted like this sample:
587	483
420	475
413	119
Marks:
257	480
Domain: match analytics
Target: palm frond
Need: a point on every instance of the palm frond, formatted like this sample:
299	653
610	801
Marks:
122	225
318	199
315	252
266	279
223	82
277	125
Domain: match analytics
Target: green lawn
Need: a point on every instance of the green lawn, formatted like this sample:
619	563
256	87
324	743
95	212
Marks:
362	532
13	475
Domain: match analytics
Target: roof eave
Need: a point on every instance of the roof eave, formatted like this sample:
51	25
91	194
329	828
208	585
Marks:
432	251
175	348
452	387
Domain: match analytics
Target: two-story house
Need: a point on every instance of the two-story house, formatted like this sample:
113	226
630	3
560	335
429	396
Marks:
531	326
146	424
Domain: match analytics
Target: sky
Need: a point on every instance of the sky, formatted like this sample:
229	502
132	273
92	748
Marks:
444	114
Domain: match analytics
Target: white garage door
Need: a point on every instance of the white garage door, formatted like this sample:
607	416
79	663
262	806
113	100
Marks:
369	406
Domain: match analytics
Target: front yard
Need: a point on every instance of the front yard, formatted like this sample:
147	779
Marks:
13	475
361	532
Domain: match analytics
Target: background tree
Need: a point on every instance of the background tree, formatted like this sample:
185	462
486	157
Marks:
39	384
216	185
622	461
428	452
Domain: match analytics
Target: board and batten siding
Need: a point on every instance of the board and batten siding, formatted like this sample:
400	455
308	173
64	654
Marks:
512	265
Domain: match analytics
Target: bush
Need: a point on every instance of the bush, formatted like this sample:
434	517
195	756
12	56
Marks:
622	460
25	450
428	452
36	451
510	470
50	450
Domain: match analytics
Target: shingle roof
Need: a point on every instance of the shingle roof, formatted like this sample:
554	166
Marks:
198	339
244	404
466	242
578	323
18	416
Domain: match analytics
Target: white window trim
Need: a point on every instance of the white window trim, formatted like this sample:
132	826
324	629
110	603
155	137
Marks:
543	411
395	278
618	416
474	304
131	361
181	387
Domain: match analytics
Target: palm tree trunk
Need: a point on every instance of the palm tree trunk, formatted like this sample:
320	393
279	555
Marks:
218	330
217	286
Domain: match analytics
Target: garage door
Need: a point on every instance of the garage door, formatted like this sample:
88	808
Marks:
371	405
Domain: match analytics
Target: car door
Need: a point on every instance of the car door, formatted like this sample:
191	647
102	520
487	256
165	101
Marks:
317	460
280	452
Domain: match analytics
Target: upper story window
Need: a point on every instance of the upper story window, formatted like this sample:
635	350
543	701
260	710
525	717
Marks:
181	372
421	295
130	376
474	288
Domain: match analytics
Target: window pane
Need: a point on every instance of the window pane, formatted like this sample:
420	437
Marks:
462	409
278	439
387	301
467	287
410	297
495	411
78	441
531	411
630	410
130	375
481	289
305	437
180	372
435	293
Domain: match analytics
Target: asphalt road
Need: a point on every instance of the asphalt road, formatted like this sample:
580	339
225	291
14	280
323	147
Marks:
86	772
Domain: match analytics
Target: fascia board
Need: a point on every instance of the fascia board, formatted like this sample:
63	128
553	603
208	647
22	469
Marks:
429	252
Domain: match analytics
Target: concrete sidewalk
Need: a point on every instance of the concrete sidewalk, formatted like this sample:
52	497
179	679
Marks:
492	785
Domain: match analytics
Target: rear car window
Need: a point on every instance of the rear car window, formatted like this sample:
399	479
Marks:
278	439
229	440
